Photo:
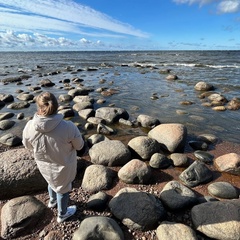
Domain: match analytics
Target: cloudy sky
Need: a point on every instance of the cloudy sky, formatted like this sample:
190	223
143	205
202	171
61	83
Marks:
28	25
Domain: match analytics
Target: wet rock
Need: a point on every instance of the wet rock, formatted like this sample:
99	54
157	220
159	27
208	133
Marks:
147	121
104	129
34	88
18	105
218	220
20	116
203	86
98	201
175	231
10	140
65	98
112	114
229	163
77	99
143	147
234	104
6	115
219	108
98	227
109	153
179	159
67	112
95	120
218	98
6	98
82	105
96	138
197	173
135	172
79	91
6	124
125	122
96	178
204	156
137	210
25	97
198	145
2	103
86	113
176	196
20	215
208	138
223	190
46	83
159	160
172	77
172	137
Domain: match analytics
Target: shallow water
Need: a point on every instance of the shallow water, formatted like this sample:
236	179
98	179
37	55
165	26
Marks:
136	77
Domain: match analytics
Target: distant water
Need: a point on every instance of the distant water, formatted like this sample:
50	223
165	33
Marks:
136	77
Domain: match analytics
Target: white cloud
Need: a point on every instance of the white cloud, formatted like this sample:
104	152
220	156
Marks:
223	6
59	16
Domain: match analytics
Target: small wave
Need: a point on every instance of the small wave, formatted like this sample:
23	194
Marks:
201	65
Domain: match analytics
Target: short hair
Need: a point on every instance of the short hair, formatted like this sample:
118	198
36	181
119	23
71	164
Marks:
47	104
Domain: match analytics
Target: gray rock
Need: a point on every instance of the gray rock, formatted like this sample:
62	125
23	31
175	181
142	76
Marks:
98	228
67	112
19	174
96	120
204	156
86	113
96	138
172	77
78	91
203	86
25	96
20	116
175	231
82	105
229	163
104	129
223	190
6	115
197	173
46	83
112	114
137	210
19	105
98	201
147	121
177	196
179	159
6	98
65	98
218	220
172	137
10	140
6	124
109	153
125	122
143	147
2	103
77	99
96	178
20	215
198	145
208	138
159	160
135	172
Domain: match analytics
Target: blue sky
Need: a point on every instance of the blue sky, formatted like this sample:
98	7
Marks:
119	25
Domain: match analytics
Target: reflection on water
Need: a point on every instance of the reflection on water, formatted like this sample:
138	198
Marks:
136	77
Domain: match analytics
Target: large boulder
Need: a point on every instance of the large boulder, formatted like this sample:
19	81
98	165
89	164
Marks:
19	174
218	220
109	153
111	114
137	210
20	215
172	137
98	227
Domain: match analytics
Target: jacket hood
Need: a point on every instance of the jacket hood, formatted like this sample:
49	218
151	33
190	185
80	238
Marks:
45	124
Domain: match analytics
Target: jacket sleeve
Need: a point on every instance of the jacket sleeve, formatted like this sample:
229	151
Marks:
25	139
77	140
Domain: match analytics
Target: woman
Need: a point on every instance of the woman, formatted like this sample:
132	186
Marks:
54	142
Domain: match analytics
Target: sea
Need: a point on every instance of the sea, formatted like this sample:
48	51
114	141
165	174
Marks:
139	83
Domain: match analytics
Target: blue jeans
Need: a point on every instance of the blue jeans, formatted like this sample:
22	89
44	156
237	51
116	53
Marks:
62	200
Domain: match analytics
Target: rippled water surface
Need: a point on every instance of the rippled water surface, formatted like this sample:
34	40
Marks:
137	77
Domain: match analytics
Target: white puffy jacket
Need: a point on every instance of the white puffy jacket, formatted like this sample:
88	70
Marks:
54	142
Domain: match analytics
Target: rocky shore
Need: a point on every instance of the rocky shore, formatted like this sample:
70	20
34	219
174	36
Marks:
137	178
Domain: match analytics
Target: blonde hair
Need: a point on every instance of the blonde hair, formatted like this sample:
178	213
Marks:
47	104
